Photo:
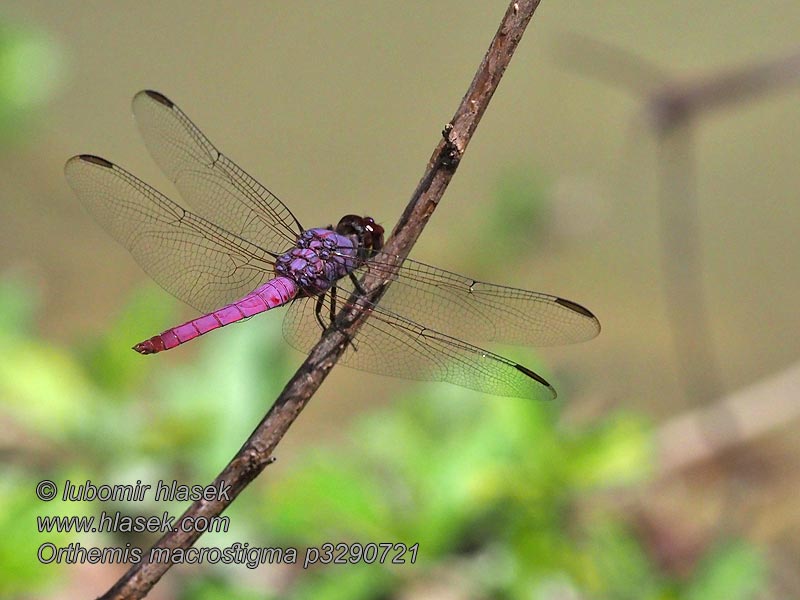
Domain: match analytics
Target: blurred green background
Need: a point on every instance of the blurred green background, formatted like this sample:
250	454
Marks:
336	108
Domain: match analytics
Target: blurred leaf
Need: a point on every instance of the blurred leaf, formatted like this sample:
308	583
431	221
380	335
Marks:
345	582
618	451
212	588
621	568
327	499
519	213
44	388
30	71
243	368
735	571
516	216
18	304
110	360
22	572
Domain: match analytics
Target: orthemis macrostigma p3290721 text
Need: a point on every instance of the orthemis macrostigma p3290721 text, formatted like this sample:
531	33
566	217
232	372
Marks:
243	252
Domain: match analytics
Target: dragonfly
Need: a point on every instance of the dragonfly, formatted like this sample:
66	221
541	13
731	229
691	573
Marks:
242	252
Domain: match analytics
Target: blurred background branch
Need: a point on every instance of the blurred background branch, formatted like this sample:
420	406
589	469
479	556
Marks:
673	106
707	437
753	411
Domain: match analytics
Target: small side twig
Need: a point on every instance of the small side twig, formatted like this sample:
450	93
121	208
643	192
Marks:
256	452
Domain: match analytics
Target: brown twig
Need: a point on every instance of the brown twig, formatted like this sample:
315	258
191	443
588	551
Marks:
255	454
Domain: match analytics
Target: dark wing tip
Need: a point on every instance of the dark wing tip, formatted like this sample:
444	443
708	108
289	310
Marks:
158	97
537	378
574	306
91	158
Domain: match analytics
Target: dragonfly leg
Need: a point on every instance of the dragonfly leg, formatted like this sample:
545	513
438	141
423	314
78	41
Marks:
318	311
333	303
357	284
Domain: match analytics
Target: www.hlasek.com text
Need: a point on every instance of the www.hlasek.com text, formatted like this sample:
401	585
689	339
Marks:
116	522
237	553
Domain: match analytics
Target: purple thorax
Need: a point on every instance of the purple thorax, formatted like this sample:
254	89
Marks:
320	257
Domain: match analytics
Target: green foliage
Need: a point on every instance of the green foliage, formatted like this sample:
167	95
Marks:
487	483
734	571
19	304
521	207
20	572
213	588
517	215
496	492
30	70
108	359
113	417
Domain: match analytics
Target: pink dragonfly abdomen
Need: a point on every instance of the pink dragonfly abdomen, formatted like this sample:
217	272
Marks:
272	294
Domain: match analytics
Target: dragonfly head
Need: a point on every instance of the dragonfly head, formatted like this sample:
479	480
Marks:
368	234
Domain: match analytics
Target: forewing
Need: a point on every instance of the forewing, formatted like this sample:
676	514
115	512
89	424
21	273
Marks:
388	344
480	312
198	262
211	183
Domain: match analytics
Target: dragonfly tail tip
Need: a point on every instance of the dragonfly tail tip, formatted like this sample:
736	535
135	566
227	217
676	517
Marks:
145	347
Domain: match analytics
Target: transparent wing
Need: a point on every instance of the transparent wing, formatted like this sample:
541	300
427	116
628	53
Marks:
194	260
459	306
211	183
389	344
477	311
